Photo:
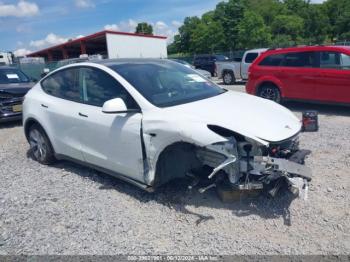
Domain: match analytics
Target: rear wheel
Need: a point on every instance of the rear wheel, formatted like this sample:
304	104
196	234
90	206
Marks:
40	145
228	78
270	92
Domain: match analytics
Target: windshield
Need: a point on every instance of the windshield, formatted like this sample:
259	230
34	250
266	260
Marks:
167	83
12	75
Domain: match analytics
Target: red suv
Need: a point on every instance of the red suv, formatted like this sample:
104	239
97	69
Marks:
314	73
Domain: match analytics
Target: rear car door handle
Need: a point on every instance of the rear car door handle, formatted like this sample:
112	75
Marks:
45	106
82	115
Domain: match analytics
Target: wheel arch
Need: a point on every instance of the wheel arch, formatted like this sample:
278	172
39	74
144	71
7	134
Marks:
228	70
29	123
174	161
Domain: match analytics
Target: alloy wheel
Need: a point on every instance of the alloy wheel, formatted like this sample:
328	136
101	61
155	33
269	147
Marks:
227	78
269	93
38	145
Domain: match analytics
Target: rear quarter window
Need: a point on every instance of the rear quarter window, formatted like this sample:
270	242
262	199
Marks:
63	84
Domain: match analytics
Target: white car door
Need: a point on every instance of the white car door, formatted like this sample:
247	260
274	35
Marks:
60	111
110	141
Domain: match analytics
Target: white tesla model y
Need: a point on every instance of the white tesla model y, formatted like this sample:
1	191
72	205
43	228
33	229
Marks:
150	121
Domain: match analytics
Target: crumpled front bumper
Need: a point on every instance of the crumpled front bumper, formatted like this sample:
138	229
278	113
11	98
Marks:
263	164
261	171
297	175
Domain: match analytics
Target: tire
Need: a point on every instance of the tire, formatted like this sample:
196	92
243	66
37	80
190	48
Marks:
228	78
41	149
270	92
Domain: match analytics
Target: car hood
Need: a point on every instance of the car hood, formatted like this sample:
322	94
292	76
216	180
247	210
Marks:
16	88
248	115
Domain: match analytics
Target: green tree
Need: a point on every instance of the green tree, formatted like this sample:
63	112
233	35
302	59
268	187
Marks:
252	31
296	7
144	28
185	33
174	47
229	14
338	12
290	25
316	25
208	36
268	9
255	23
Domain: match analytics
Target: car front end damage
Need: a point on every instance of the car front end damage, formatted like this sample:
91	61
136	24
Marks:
245	165
215	143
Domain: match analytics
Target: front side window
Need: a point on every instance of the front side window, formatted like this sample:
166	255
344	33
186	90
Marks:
299	59
250	57
12	75
99	87
63	84
272	60
167	83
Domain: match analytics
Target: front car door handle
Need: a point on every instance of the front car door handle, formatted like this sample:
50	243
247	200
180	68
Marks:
44	106
80	114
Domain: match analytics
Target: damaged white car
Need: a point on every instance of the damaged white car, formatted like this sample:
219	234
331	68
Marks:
152	121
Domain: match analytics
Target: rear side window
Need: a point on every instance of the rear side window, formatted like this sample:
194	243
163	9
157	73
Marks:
272	60
63	84
299	59
250	57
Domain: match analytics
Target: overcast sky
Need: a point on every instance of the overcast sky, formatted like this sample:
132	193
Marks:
28	25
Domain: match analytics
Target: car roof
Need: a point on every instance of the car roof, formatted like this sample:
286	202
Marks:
258	50
120	61
308	48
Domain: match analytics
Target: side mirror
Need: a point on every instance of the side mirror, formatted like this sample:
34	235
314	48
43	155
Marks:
115	106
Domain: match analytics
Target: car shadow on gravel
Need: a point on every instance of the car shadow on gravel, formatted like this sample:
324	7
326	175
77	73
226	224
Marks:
330	110
177	196
238	83
12	124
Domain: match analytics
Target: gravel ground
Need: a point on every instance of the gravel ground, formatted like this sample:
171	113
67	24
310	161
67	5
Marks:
70	209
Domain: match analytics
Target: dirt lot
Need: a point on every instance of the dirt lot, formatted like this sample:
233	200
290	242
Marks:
69	209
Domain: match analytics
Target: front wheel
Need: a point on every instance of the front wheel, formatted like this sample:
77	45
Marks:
40	146
228	78
270	92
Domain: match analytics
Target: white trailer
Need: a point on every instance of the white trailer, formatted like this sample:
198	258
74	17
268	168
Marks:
133	46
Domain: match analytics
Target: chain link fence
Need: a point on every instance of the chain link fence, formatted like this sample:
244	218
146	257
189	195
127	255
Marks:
238	54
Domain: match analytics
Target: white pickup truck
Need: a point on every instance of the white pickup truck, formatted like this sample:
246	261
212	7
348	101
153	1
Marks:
231	71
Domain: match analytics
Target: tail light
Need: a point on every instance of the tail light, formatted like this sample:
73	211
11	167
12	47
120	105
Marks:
310	121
